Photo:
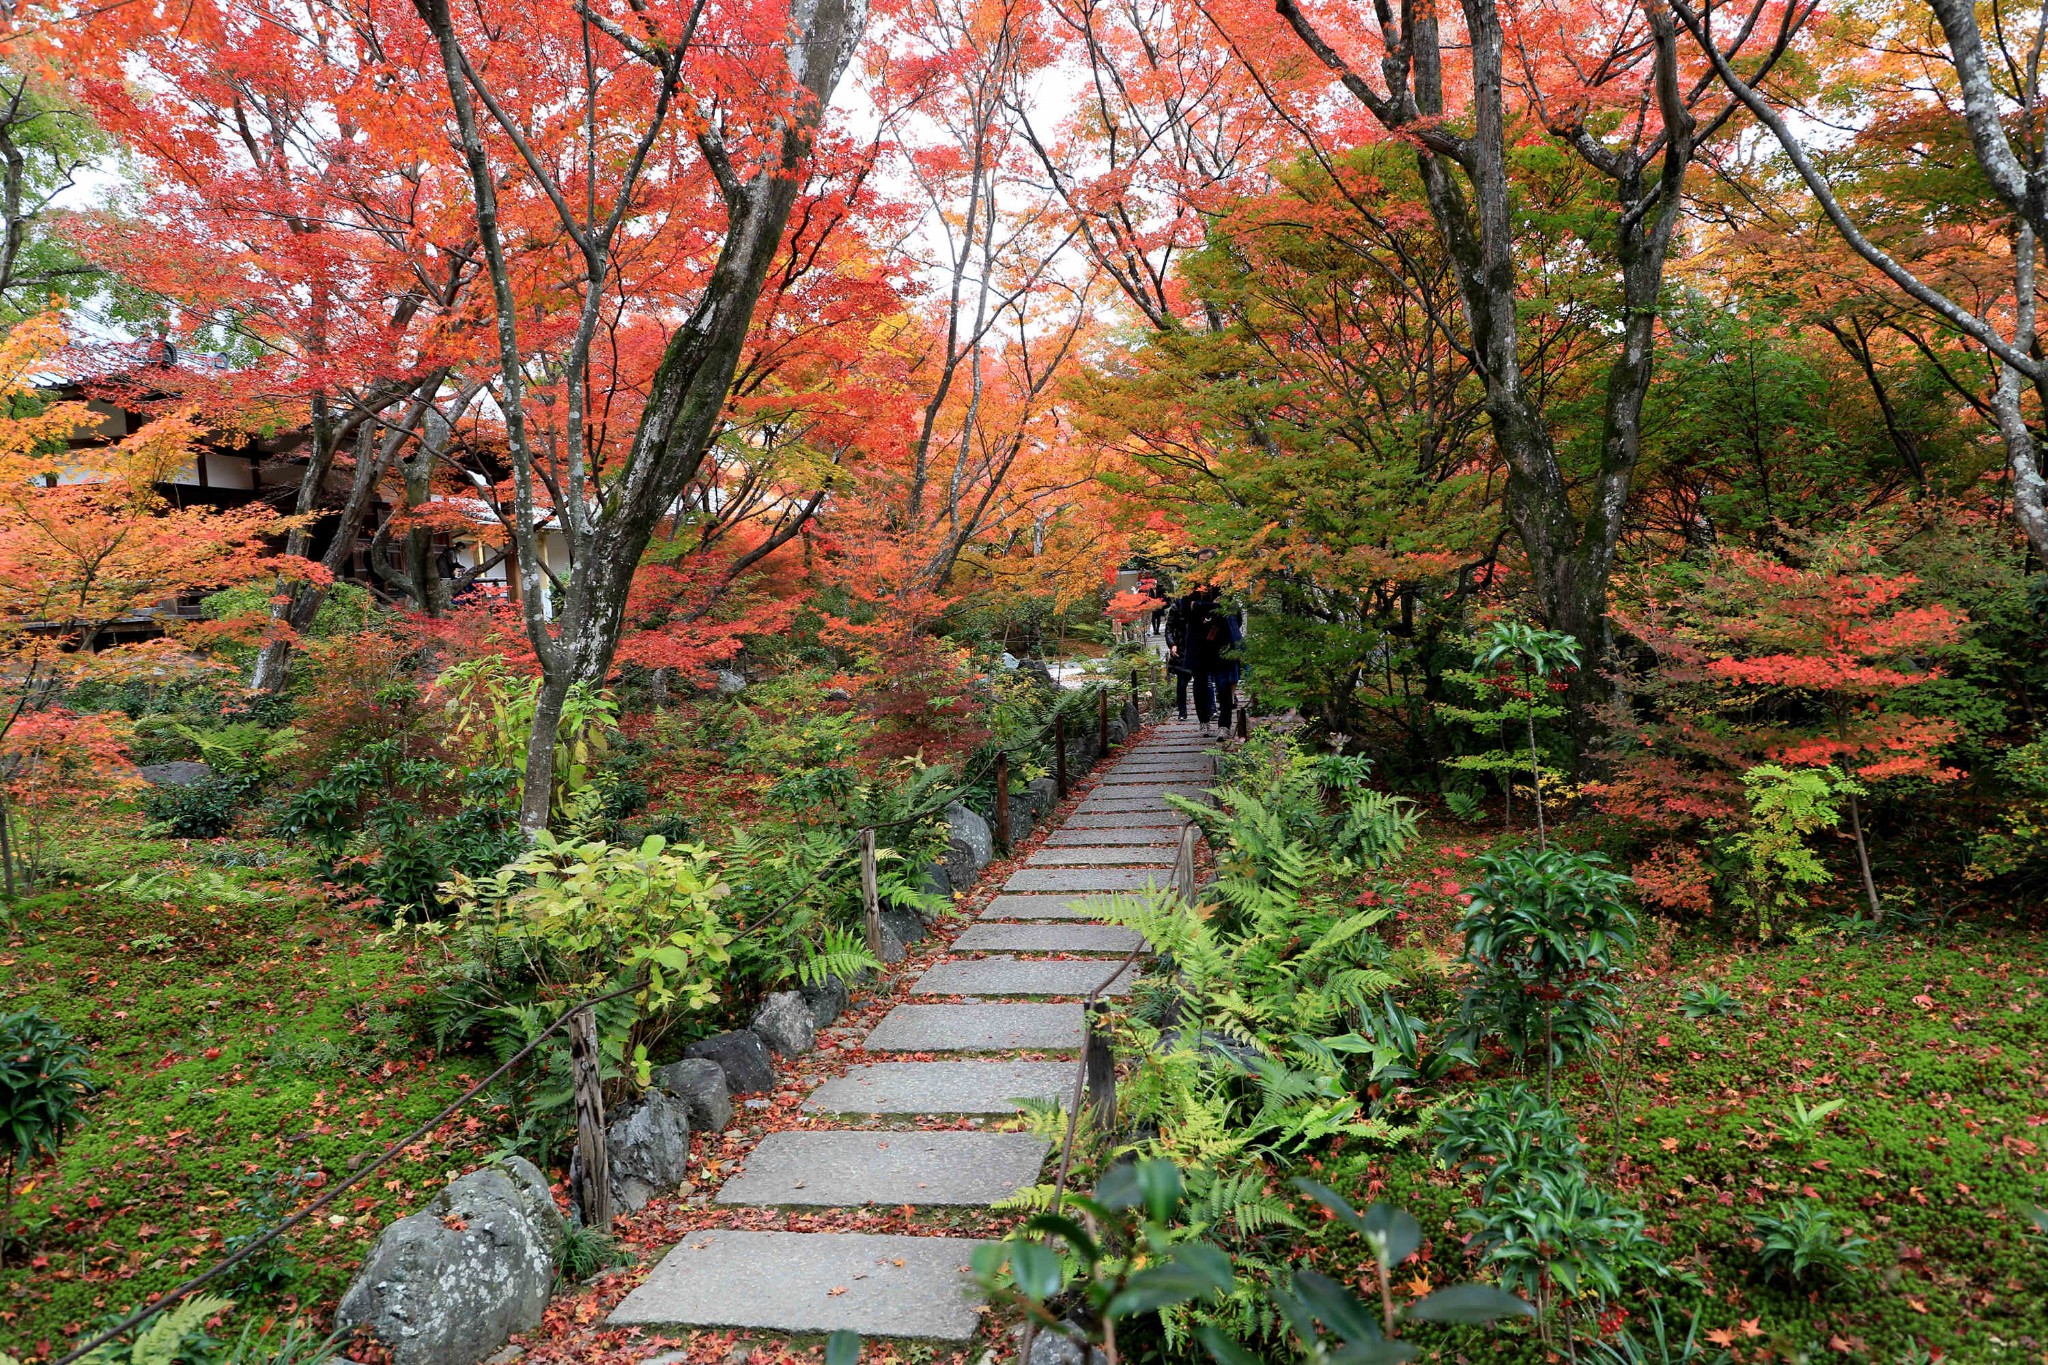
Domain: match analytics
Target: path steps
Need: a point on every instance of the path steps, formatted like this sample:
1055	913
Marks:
1014	999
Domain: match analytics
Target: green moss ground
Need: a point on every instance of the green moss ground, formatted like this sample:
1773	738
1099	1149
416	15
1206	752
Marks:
1940	1050
247	1053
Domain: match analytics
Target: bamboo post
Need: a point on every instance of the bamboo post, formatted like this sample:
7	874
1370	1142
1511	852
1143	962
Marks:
1003	801
1184	865
1059	752
595	1193
870	892
1098	1060
1102	719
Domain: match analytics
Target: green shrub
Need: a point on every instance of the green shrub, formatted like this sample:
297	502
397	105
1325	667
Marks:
205	809
1546	934
44	1084
1800	1244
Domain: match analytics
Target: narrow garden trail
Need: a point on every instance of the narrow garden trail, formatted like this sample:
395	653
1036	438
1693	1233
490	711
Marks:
1006	995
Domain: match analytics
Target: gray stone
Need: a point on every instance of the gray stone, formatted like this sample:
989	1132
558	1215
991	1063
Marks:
648	1149
838	694
743	1056
785	1024
178	773
1098	879
1142	837
451	1284
1041	675
1038	907
1159	818
1048	938
938	881
699	1083
1008	662
978	1028
828	1000
966	829
941	1087
1022	822
1134	720
1218	1044
1117	731
900	929
811	1283
1143	855
840	1169
728	682
1052	1346
1043	793
1020	976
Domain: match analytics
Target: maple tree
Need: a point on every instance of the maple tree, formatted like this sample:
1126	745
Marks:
1803	664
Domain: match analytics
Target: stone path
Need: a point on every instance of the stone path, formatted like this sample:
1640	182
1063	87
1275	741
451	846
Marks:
1019	972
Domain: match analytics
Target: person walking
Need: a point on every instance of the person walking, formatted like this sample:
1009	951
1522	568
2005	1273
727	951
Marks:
1213	636
1177	661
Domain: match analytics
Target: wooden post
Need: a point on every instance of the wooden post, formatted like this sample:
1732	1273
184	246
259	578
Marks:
587	1080
1059	752
1135	700
1184	865
1098	1060
1102	719
870	893
1244	725
1003	801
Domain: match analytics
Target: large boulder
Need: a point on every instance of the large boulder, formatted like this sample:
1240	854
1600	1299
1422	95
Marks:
1134	720
1022	821
828	1000
729	683
450	1285
938	881
969	845
648	1150
743	1056
1039	675
178	773
699	1083
785	1024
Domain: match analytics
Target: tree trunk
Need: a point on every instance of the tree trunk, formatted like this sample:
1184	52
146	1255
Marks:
536	794
1863	860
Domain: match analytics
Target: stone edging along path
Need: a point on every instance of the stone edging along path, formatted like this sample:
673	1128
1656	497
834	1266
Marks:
901	1139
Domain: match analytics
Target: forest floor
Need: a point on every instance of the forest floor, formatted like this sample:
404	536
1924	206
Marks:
252	1045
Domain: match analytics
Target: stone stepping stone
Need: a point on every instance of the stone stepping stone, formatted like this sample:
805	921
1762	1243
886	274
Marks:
1020	976
1124	805
812	1283
1097	879
1157	817
978	1028
1037	907
840	1169
1113	838
942	1087
1047	938
1145	855
1169	777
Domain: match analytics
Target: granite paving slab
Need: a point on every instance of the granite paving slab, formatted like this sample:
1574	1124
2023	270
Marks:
828	1168
917	1287
978	1028
1020	976
1037	907
1158	817
941	1087
1144	855
1141	837
1047	938
1084	879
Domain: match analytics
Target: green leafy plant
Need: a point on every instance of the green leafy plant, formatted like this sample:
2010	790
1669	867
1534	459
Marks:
1535	655
1801	1244
205	809
1658	1343
1786	806
44	1084
1709	1001
1504	1134
584	1251
1546	934
1803	1124
173	1335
